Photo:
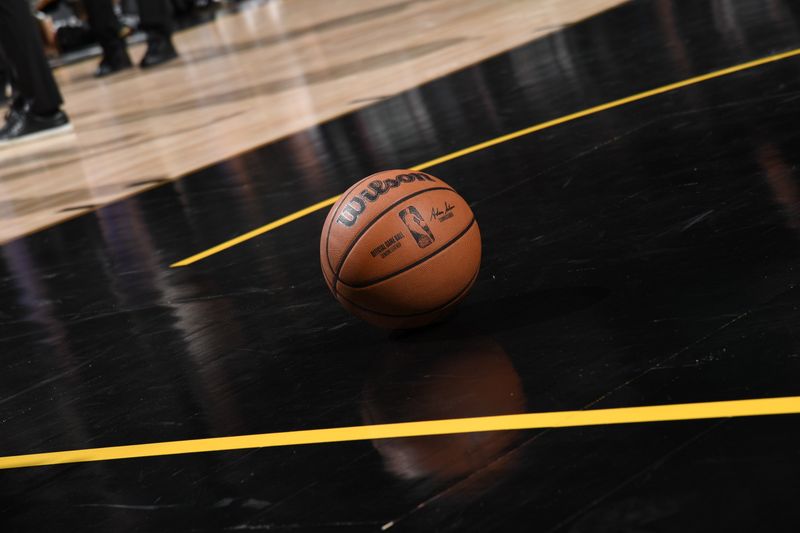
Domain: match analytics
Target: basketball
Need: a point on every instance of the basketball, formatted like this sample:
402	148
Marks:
400	249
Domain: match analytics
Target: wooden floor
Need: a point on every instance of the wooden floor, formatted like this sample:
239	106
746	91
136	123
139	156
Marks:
626	361
245	80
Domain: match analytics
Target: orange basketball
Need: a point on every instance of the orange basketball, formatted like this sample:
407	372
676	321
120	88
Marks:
400	249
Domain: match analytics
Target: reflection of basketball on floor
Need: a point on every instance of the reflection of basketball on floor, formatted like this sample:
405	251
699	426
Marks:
400	249
455	378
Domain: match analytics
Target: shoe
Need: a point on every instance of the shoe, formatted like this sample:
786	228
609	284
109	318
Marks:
23	125
113	61
16	107
159	50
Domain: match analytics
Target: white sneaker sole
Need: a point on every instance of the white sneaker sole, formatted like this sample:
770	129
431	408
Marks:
66	128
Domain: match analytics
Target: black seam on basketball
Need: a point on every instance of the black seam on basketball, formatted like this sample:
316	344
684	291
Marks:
412	265
335	207
376	219
434	310
328	282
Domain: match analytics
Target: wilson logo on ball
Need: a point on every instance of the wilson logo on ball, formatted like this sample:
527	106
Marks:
417	226
358	204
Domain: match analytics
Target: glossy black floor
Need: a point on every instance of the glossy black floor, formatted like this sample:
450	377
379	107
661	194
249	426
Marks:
646	255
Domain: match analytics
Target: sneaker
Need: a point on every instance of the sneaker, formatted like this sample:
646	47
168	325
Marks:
22	125
114	60
159	50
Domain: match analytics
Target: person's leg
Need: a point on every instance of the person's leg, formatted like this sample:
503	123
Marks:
5	78
156	16
107	30
19	38
156	20
36	110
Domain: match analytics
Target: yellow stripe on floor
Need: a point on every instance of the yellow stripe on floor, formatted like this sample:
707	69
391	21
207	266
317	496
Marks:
560	419
498	140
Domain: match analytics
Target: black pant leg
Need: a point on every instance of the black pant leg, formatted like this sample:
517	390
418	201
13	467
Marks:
104	23
5	74
156	16
20	39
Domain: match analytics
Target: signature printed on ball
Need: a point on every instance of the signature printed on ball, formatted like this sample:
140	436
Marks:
441	216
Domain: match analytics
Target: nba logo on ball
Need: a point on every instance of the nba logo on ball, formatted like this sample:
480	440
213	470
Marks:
379	274
417	226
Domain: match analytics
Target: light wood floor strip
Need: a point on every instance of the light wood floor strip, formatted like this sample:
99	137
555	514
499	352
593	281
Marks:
248	79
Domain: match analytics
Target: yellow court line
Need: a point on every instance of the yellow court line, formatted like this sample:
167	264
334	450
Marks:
499	140
561	419
256	232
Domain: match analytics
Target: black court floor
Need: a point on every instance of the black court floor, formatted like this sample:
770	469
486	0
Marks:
648	254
